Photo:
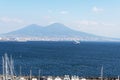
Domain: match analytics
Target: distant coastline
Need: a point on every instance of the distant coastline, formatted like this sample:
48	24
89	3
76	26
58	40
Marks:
25	39
52	32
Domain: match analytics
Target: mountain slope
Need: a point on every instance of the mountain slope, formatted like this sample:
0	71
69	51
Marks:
55	30
30	30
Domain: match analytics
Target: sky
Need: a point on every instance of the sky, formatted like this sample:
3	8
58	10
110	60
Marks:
99	17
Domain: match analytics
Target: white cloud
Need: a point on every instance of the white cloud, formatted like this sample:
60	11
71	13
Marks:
87	22
97	10
92	23
96	27
63	12
108	24
10	20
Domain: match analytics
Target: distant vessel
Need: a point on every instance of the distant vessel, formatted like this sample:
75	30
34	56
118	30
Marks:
77	41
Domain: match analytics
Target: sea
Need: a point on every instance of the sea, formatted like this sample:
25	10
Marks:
58	58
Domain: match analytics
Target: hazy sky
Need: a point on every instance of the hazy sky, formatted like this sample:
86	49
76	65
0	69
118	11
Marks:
100	17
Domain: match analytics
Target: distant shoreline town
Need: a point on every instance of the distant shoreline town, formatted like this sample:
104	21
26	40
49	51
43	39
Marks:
37	39
24	39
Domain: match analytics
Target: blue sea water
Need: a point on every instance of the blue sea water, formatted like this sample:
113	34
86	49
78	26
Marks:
60	58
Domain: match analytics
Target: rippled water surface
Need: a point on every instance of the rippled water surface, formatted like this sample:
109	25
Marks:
59	58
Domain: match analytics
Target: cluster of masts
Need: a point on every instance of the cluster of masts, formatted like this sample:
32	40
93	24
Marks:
8	67
9	73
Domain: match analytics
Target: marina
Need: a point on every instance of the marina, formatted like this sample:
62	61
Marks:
9	73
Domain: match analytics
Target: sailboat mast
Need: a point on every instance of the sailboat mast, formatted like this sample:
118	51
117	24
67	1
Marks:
20	71
30	74
3	67
118	77
11	67
39	74
102	73
6	67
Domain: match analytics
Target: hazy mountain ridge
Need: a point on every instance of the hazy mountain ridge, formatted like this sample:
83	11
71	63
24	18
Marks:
56	30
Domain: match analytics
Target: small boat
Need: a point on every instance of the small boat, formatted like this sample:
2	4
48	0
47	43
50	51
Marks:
22	78
49	78
83	79
34	78
75	77
66	77
77	41
57	78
